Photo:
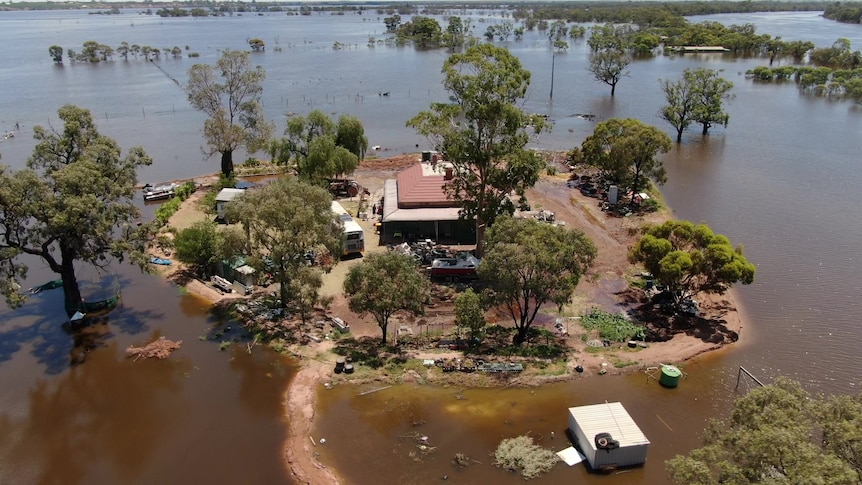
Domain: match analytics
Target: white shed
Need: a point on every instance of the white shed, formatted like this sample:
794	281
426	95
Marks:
607	435
225	196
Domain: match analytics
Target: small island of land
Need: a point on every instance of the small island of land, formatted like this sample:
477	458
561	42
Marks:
609	285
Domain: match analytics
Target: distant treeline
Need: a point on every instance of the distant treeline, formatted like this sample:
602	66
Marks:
642	13
848	13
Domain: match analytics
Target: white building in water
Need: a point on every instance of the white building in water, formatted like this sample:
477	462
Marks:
607	436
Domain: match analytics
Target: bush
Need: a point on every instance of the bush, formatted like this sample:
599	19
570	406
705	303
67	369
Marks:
522	454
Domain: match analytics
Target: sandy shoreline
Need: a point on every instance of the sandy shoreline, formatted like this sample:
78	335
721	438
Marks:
602	287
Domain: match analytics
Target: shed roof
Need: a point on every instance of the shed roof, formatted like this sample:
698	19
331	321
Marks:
610	417
227	195
421	185
393	213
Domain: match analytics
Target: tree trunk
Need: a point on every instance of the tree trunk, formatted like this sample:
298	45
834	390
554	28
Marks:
679	136
613	89
227	163
705	129
71	290
384	326
480	237
520	336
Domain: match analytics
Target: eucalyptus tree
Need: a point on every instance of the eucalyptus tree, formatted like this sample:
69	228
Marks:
483	133
609	56
72	204
384	284
697	97
283	222
528	264
626	151
229	94
691	259
557	40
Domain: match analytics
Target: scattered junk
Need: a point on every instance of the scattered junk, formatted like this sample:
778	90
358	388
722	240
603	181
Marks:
667	375
160	191
345	188
339	324
339	365
160	261
541	215
161	348
221	284
424	251
607	436
496	367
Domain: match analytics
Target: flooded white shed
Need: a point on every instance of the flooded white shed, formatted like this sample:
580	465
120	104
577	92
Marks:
607	436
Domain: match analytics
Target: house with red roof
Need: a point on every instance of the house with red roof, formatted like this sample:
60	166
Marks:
415	207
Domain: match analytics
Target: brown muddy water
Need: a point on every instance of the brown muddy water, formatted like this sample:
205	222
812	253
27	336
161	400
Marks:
779	179
75	409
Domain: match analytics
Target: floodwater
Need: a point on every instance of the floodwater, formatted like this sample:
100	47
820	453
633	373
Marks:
779	180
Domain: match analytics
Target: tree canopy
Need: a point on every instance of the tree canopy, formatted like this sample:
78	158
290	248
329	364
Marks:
625	151
386	283
528	264
229	94
609	57
779	434
320	148
698	97
483	133
283	222
73	203
690	259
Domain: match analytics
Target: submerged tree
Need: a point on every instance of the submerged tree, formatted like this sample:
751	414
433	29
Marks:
609	56
779	434
229	94
384	284
73	203
528	264
689	259
56	53
483	134
697	97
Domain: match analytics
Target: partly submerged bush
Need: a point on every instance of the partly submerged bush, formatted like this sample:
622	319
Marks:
522	454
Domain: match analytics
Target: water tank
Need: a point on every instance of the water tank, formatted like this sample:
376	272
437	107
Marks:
669	376
613	194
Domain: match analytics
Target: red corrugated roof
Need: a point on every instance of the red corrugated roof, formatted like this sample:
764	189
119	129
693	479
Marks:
417	189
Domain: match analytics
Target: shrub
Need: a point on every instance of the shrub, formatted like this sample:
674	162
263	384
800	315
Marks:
522	454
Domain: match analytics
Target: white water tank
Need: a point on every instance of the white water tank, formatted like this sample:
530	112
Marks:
613	194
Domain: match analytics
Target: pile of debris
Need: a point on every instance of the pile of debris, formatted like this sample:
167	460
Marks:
160	348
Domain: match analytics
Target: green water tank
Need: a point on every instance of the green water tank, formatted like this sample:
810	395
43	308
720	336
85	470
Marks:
669	376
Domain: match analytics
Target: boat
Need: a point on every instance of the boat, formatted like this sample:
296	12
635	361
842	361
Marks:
463	266
46	286
161	261
96	306
160	191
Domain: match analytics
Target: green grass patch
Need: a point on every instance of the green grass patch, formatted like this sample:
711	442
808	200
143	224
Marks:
611	326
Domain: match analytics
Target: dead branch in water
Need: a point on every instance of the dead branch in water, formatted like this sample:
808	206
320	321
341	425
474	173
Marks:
160	348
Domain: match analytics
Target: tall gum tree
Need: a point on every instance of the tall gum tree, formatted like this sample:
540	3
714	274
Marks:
73	203
483	134
229	94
